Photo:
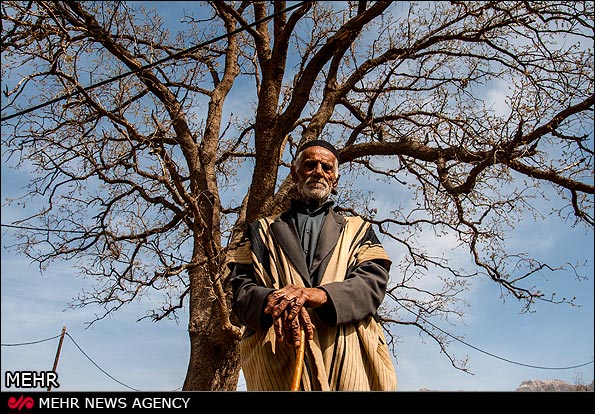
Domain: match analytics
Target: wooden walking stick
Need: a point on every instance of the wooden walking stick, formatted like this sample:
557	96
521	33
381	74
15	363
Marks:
299	362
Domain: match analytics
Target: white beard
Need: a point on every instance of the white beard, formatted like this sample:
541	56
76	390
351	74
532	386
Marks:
312	189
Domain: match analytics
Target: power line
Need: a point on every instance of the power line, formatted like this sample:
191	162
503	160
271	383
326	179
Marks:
489	353
32	343
151	65
40	229
98	367
83	352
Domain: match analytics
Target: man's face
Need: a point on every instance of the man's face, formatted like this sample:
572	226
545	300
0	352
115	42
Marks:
315	174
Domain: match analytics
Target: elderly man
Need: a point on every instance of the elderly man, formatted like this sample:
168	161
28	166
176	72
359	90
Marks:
312	269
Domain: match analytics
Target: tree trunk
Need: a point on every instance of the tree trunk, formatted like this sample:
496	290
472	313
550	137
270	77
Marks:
214	363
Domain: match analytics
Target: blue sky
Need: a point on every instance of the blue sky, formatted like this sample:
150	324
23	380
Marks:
504	345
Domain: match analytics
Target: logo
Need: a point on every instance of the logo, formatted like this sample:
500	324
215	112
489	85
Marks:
18	404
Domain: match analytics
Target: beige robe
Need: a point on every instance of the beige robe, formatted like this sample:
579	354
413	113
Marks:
350	357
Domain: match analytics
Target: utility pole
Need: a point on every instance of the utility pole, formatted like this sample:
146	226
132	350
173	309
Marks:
58	354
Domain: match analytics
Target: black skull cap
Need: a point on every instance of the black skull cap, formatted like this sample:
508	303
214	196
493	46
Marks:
319	143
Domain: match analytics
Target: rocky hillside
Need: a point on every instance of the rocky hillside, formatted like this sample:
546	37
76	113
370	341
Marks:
552	386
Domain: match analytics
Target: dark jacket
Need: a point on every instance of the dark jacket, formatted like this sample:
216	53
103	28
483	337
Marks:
353	299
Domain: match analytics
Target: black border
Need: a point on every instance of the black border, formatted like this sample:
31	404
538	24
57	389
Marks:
305	402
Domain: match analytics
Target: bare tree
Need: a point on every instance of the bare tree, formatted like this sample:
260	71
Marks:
153	150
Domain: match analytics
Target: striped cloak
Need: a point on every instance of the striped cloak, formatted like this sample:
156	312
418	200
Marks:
351	356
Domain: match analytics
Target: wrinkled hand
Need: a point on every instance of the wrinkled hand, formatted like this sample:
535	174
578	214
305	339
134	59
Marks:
288	306
288	330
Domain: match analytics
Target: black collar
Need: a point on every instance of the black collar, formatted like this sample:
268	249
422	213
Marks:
305	208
